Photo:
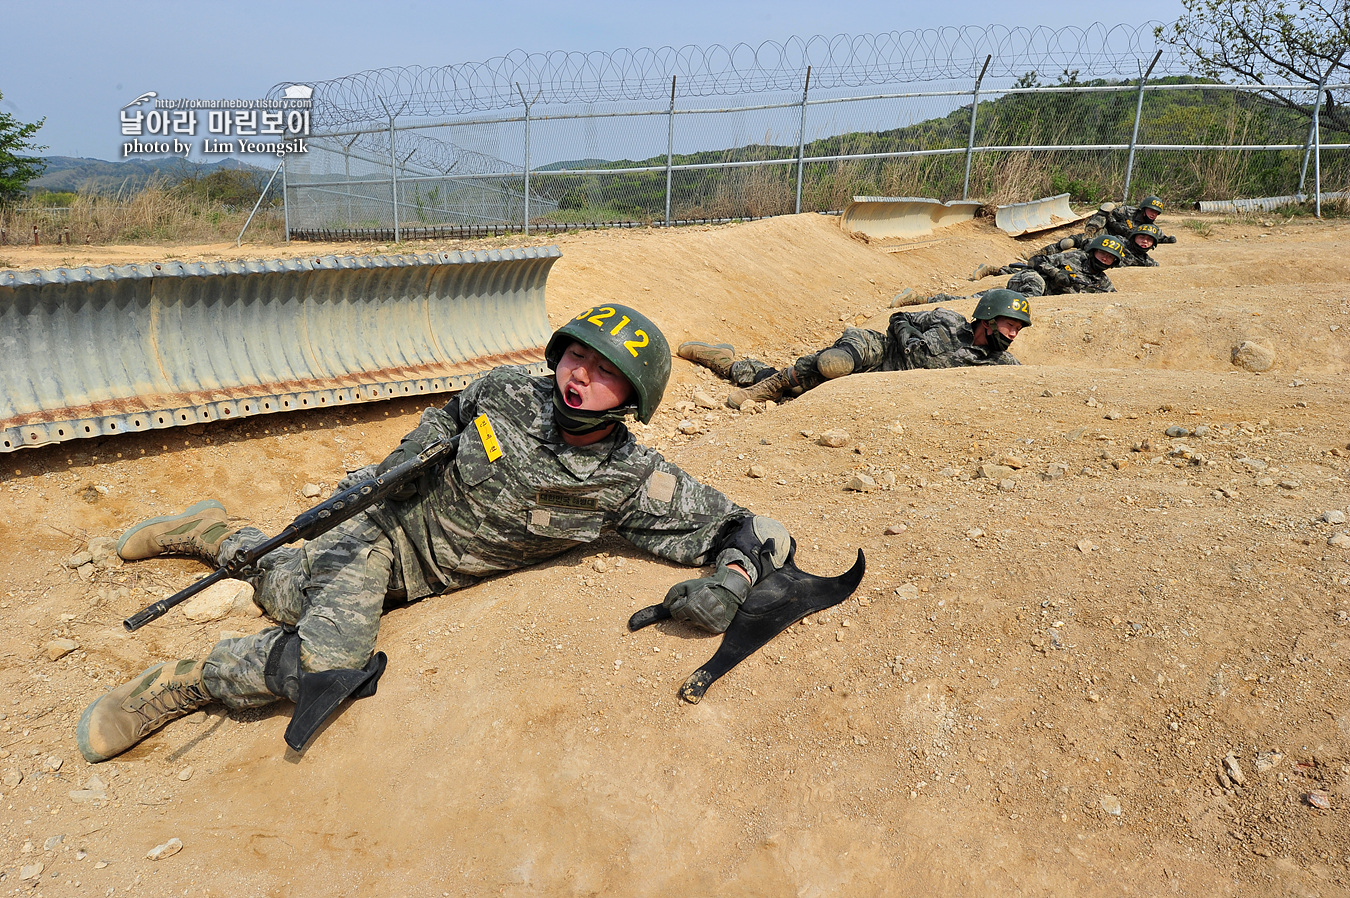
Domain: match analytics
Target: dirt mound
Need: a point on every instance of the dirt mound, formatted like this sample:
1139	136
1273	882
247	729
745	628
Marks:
1091	580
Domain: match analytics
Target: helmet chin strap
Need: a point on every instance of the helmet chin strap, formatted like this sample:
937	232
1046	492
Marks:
580	422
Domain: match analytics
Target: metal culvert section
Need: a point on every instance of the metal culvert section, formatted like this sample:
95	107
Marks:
1048	212
883	217
88	352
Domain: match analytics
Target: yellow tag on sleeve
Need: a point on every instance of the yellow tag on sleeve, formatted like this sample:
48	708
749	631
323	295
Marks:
489	438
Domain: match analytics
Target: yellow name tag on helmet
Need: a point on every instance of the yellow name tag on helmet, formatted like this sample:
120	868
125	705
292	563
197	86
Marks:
489	437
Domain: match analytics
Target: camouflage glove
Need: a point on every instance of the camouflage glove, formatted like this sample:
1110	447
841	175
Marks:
1167	238
709	602
420	438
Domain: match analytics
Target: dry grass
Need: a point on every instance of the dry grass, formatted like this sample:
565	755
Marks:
156	214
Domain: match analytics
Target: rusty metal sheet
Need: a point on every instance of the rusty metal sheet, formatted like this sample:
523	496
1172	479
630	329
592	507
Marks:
1048	212
88	352
881	217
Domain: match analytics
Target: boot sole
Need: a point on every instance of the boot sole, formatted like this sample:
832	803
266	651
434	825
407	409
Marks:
164	518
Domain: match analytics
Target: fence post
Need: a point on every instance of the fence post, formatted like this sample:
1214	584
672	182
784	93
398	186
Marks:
393	176
285	204
670	147
970	142
1313	126
1134	135
238	241
801	139
527	154
347	174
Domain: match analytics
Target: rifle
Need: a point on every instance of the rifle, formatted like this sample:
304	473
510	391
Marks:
318	520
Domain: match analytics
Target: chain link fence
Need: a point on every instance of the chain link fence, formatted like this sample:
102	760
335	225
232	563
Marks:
563	141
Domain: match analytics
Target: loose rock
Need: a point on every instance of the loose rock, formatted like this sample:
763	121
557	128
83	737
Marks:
1087	546
994	472
907	591
835	439
60	648
185	774
1007	485
757	471
30	871
1319	799
1335	516
1340	541
861	483
1177	431
218	601
703	400
1054	471
168	849
12	778
895	529
1230	766
599	566
1267	761
310	490
1253	357
1111	805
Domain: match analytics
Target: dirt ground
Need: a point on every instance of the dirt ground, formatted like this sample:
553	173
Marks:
1034	691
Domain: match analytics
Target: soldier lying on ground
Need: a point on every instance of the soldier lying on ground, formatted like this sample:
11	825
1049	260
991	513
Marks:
937	339
1135	250
541	466
1056	273
1122	220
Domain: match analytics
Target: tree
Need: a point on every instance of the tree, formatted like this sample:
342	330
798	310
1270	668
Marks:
1261	40
15	170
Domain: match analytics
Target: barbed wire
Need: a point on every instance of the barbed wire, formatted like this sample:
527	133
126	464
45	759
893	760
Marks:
844	61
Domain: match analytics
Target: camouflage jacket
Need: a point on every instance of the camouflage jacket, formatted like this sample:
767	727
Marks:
1122	221
1134	256
516	494
937	339
1070	272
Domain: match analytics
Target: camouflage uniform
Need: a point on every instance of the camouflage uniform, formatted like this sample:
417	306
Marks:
1121	221
477	517
937	339
1134	257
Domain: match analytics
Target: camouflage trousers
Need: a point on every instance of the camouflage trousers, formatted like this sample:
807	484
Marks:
1024	280
868	348
332	590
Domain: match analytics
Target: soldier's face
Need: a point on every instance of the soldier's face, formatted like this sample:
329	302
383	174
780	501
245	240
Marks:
1151	214
588	381
1105	258
1008	327
1144	242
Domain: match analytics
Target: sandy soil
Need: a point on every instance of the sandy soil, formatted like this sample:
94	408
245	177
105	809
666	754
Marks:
1033	692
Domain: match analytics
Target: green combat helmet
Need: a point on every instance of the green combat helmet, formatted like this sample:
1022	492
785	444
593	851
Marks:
1108	244
1152	202
629	340
1148	230
1004	303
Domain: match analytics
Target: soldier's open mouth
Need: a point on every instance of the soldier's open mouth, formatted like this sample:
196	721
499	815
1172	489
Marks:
572	396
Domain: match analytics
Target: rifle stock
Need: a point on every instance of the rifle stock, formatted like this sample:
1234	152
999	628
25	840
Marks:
311	523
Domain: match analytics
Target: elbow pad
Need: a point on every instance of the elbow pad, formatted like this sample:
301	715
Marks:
761	543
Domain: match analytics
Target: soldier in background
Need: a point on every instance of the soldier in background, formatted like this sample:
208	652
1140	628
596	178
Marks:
1065	271
541	465
1136	249
1122	220
937	339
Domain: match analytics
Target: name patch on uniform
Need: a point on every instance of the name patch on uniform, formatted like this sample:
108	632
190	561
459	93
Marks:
489	437
661	486
564	499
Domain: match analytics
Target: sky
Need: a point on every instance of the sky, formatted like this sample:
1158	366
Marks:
76	64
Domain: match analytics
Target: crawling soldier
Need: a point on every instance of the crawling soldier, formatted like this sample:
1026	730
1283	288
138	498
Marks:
1137	246
937	339
1122	220
542	465
1062	271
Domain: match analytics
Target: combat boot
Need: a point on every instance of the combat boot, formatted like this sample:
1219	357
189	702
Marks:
198	531
770	388
984	271
715	356
134	710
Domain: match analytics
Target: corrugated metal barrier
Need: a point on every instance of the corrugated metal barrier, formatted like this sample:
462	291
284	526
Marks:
904	216
88	352
1049	212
